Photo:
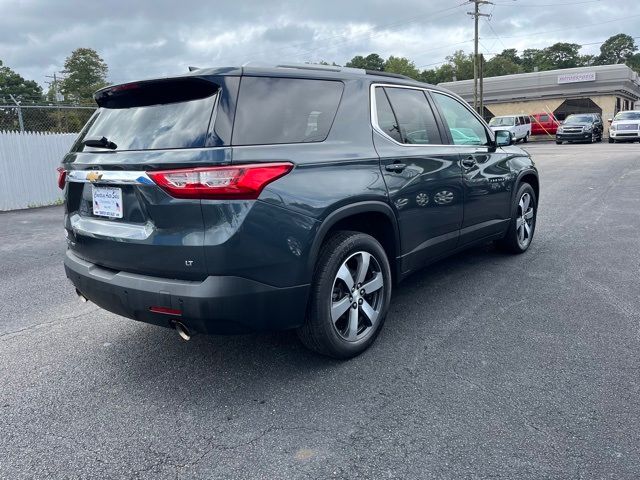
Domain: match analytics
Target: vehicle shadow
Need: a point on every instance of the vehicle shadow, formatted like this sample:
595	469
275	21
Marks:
223	366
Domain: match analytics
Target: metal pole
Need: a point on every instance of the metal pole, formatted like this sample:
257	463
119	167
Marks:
476	15
475	56
20	122
481	75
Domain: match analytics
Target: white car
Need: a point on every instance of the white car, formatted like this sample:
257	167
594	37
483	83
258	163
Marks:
518	125
625	126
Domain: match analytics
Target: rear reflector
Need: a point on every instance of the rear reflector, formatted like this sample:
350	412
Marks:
166	311
62	177
230	182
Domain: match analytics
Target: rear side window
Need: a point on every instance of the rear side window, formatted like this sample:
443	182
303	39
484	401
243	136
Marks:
285	110
544	118
152	115
416	122
386	118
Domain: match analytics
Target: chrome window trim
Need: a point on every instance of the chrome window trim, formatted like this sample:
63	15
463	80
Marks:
376	127
117	177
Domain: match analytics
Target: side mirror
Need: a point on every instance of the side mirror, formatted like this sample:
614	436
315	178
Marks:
610	120
503	138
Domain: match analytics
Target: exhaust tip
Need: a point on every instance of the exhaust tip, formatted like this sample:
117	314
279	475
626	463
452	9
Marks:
82	298
183	331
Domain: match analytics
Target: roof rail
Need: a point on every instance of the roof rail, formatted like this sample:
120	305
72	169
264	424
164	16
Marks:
327	68
389	74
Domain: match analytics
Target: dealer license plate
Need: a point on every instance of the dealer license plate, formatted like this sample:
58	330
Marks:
107	201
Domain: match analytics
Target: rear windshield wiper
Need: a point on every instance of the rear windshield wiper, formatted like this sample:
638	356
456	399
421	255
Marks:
99	142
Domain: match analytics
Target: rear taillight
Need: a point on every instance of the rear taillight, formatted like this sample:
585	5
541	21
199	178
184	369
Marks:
233	182
62	177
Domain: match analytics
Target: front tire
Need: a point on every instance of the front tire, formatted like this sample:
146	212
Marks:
526	138
558	142
349	297
523	221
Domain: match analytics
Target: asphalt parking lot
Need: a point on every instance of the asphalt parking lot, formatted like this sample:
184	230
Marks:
489	365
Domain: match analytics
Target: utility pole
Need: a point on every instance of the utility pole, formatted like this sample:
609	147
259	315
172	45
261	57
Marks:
476	15
20	121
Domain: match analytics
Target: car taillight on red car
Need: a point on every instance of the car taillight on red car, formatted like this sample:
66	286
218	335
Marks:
62	177
229	182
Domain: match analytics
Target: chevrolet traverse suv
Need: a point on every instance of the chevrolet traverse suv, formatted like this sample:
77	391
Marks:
232	200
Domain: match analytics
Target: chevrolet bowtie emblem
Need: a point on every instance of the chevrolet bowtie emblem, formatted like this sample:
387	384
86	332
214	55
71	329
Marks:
94	176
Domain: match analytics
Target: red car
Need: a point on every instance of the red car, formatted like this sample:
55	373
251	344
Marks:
544	123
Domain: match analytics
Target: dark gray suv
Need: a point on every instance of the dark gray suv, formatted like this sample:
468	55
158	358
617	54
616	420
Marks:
231	200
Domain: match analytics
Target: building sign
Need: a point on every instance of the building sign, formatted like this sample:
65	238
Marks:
577	77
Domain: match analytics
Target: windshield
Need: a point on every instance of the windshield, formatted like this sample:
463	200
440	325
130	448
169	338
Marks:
628	116
573	119
502	122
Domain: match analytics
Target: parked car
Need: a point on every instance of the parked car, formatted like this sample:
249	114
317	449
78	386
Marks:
583	127
248	199
625	127
544	124
518	125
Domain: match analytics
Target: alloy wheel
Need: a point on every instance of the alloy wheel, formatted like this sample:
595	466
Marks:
524	220
357	296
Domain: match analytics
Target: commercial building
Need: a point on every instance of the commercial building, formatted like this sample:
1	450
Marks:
605	89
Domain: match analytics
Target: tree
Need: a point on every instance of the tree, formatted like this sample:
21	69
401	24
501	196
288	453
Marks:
462	64
634	62
402	66
85	72
560	55
443	73
373	61
531	58
499	65
616	49
12	83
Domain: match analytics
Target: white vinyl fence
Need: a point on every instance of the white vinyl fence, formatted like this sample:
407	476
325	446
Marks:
28	163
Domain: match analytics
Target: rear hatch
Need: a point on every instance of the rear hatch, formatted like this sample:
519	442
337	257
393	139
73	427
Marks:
116	215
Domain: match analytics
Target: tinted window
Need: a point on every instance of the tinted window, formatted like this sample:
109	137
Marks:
465	128
285	110
416	121
628	116
527	120
172	125
386	118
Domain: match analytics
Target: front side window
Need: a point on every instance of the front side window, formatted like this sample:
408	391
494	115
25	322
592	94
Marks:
285	110
465	127
415	119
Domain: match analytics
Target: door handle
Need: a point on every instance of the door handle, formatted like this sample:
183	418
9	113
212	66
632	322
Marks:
469	162
395	167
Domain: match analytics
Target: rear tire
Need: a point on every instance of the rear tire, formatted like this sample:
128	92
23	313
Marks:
523	221
343	318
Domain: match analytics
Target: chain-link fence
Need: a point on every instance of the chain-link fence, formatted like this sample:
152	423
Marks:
44	118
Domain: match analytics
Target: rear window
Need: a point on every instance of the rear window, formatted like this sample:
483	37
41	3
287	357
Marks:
285	110
152	116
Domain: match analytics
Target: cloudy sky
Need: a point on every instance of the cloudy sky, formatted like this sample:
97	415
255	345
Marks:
147	38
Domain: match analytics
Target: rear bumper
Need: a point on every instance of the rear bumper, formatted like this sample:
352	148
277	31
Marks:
215	305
